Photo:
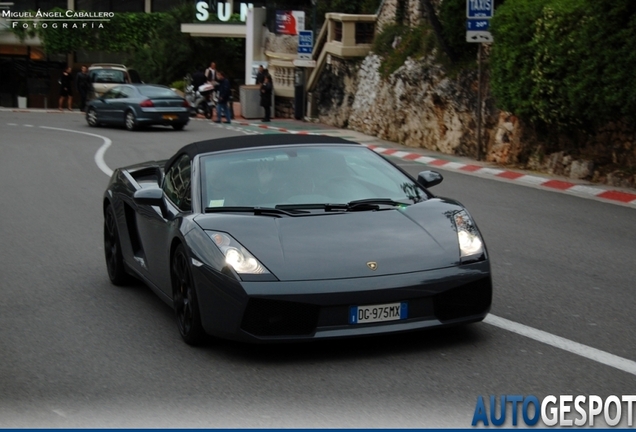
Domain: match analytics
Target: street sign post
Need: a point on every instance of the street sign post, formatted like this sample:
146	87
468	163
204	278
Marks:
305	44
478	14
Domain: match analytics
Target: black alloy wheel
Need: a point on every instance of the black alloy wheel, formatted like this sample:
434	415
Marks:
112	250
184	297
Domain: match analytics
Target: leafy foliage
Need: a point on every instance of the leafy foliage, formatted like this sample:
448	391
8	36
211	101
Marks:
151	43
452	14
567	63
397	42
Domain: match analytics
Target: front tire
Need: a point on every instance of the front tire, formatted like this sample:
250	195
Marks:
112	250
91	117
205	109
130	121
184	296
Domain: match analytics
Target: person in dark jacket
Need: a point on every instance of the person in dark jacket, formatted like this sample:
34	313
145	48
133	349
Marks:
83	85
66	89
198	78
260	75
224	97
266	96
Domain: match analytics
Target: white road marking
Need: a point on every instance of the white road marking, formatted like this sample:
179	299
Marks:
559	342
585	351
99	156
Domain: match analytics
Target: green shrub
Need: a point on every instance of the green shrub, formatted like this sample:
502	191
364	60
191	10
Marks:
179	85
413	42
565	63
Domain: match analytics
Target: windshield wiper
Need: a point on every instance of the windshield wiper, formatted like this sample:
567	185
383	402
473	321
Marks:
356	205
255	210
376	202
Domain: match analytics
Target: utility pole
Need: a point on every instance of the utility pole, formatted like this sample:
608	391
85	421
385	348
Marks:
479	149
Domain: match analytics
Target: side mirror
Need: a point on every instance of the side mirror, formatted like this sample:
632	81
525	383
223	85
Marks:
152	196
429	178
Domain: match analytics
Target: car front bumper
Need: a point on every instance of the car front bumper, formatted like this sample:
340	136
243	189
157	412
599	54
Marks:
309	310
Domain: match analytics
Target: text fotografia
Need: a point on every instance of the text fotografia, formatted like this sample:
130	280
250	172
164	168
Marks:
562	410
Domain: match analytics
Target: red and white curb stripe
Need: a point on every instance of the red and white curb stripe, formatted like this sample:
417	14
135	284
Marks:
559	185
551	184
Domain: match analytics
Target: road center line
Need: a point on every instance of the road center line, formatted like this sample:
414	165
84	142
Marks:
99	156
559	342
588	352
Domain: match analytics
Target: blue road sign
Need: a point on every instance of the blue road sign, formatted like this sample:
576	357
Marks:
304	49
306	38
477	24
480	8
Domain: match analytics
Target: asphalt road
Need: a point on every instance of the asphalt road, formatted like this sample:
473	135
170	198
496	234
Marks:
76	351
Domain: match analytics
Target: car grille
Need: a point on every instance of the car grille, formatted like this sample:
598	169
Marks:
473	298
264	317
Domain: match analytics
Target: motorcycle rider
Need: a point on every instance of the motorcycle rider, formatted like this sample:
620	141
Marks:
198	78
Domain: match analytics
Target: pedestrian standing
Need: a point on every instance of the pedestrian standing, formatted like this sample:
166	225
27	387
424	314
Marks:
83	85
224	97
260	75
210	73
66	89
266	96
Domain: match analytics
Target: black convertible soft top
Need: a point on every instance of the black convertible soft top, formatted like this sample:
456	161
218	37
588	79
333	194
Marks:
239	142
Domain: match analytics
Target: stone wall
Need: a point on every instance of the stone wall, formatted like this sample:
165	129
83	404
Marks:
418	106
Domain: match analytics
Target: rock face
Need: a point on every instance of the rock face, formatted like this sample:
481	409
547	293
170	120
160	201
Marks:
419	105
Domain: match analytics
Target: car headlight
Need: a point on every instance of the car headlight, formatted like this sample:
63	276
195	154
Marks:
241	260
471	247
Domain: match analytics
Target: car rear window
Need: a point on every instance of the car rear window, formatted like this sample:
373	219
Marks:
108	76
157	92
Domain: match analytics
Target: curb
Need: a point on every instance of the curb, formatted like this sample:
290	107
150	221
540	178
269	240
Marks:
556	185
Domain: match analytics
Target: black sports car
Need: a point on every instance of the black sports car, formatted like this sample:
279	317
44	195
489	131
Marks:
285	237
137	105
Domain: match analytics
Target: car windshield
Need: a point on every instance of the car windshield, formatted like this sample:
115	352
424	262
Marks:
156	92
108	76
303	175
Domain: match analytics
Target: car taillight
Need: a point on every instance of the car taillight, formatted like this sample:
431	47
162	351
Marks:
146	104
185	104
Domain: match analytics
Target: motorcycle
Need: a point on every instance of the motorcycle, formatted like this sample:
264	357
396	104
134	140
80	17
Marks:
202	100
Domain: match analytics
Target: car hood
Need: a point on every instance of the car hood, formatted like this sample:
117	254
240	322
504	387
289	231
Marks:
334	245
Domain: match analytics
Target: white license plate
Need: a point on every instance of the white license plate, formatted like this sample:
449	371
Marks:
378	313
